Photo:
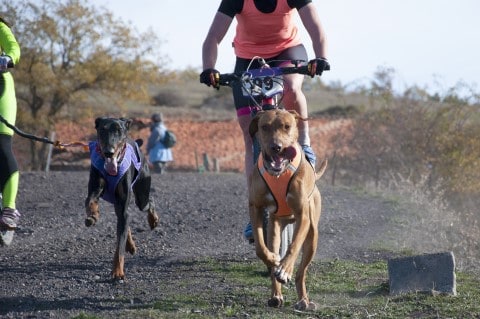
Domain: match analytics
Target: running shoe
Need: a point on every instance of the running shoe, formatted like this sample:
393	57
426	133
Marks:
9	219
8	223
248	233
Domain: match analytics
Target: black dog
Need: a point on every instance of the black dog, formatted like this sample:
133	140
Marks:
118	169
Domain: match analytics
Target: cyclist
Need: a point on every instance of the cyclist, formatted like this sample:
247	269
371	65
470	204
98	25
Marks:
266	29
9	175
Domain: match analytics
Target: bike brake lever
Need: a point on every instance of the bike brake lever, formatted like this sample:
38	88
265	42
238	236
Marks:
256	89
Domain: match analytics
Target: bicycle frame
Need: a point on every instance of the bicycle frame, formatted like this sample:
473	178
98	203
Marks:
265	83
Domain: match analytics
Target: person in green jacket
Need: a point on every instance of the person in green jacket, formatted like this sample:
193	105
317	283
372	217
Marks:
9	174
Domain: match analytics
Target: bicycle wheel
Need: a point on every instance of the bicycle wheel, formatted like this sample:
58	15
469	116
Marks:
286	240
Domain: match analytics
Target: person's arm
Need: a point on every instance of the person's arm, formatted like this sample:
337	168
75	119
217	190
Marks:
218	29
311	21
9	44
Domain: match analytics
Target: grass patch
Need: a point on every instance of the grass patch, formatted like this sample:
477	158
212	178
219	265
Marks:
341	289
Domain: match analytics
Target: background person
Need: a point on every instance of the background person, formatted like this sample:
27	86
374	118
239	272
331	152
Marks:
266	28
9	175
158	154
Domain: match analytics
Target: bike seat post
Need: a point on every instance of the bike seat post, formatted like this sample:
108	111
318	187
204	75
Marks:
269	103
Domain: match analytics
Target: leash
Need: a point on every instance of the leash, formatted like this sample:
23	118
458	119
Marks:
57	144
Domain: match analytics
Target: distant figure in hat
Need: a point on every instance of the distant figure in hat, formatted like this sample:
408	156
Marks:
159	155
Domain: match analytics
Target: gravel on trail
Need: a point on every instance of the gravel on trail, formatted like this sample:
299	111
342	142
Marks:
56	267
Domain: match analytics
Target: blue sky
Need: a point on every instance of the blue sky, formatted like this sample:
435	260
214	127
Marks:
430	43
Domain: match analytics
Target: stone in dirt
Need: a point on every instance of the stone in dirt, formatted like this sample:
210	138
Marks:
428	273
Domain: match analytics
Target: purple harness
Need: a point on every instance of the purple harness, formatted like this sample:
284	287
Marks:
128	159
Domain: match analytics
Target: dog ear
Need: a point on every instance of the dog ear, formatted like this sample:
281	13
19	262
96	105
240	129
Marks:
296	115
128	122
253	128
98	120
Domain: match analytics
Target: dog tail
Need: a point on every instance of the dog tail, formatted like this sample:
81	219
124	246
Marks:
322	169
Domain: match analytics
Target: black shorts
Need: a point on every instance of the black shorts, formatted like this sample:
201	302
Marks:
243	103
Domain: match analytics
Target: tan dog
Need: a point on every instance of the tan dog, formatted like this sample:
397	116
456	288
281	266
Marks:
298	201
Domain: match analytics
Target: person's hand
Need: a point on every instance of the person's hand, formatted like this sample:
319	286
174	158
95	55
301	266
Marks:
317	66
5	62
210	77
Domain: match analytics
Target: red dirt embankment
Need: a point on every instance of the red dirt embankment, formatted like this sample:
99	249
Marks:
220	140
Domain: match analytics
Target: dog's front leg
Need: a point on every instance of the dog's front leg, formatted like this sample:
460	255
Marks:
122	195
284	271
274	229
122	236
256	217
308	253
96	186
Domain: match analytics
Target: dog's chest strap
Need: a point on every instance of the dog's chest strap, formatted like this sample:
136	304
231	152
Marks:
278	185
128	159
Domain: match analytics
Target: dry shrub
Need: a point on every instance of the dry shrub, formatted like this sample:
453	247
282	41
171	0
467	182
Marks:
169	97
415	139
429	224
429	152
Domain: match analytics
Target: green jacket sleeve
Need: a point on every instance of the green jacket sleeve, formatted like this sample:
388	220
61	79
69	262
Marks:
8	43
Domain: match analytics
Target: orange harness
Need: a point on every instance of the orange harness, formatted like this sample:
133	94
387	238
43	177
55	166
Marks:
278	185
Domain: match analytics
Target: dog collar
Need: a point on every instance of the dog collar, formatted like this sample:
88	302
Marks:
279	185
129	158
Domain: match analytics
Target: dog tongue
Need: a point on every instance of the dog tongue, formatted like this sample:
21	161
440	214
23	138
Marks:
111	166
290	153
277	160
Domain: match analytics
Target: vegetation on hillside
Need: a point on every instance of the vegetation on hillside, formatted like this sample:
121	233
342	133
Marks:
73	52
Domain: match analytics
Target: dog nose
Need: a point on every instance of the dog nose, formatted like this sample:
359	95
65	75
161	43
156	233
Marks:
276	147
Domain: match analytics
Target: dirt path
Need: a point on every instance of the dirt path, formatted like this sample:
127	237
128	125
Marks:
57	267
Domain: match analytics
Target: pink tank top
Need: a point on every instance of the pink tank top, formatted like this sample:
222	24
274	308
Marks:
265	34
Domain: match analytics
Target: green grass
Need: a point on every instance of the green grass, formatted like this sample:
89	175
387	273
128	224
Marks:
341	289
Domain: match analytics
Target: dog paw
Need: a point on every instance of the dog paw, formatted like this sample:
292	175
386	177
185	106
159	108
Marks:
282	275
153	220
131	248
119	280
275	302
90	221
118	276
304	304
273	260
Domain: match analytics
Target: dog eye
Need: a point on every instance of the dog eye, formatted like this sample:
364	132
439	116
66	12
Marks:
264	128
115	129
287	127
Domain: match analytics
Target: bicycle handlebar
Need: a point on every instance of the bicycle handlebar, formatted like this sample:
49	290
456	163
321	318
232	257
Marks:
227	78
